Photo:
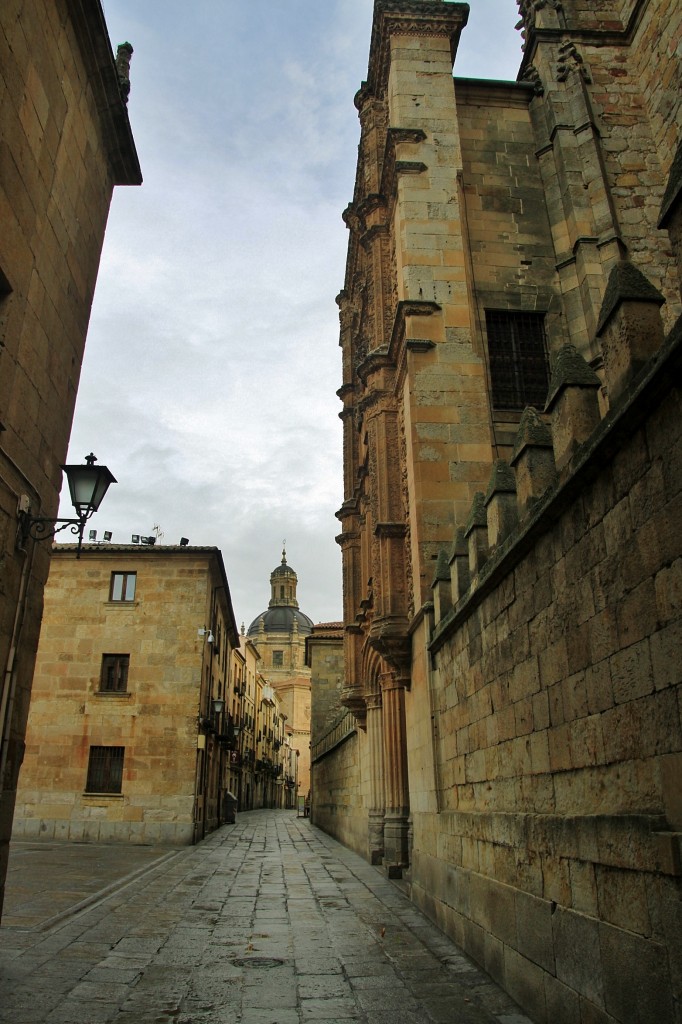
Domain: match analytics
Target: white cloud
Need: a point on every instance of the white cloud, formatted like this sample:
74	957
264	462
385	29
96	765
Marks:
212	361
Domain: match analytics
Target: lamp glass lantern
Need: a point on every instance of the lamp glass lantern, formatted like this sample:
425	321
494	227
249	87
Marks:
88	484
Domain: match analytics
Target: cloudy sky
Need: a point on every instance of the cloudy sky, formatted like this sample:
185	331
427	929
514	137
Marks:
212	361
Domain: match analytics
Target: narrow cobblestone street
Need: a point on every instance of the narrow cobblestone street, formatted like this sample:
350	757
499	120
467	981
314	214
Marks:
268	921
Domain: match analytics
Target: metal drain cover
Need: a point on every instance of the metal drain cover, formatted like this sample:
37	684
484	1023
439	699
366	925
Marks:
258	961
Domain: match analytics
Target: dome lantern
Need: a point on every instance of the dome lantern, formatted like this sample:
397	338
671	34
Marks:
283	614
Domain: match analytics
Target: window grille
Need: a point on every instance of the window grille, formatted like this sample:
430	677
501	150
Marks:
278	659
114	678
122	586
517	350
105	770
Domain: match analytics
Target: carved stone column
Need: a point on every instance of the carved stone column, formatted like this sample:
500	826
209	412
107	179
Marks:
375	742
396	792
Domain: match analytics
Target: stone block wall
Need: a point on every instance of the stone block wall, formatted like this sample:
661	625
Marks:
552	850
65	142
324	655
340	792
519	725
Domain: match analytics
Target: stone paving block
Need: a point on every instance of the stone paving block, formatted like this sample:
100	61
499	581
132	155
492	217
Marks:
259	1016
329	1009
168	950
321	986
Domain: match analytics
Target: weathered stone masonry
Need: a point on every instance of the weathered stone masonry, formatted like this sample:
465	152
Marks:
512	575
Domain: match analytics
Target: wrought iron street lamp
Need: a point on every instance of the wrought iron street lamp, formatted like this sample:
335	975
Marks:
88	484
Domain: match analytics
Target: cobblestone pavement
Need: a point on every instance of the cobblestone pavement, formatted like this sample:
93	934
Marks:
268	921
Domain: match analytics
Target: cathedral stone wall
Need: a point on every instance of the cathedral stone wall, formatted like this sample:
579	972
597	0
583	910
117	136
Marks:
512	518
554	852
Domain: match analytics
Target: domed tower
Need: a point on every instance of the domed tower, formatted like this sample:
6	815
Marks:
279	633
276	627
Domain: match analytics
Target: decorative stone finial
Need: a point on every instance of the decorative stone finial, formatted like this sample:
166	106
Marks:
477	515
532	459
123	55
630	325
533	432
569	370
626	284
442	587
476	532
574	403
442	567
502	480
500	500
460	577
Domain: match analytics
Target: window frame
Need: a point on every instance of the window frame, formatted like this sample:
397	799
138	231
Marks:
108	772
278	659
125	577
117	662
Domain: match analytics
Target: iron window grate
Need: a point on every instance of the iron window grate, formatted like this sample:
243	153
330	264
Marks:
517	350
105	770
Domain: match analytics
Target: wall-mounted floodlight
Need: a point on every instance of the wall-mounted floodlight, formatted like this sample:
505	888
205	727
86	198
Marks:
87	485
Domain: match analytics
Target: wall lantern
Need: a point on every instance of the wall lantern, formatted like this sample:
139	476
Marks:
218	706
87	485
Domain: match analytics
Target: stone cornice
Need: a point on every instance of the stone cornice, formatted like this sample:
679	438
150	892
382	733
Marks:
390	530
379	359
488	91
591	37
407	17
91	32
392	168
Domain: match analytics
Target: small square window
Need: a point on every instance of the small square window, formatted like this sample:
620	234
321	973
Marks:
278	659
105	770
123	586
114	678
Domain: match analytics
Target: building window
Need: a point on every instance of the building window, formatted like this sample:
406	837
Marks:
122	586
517	350
114	678
105	770
277	659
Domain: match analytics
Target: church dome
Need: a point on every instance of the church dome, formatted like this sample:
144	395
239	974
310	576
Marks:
283	614
281	620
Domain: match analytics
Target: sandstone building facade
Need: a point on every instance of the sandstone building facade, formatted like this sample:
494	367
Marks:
65	142
125	740
280	634
508	737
